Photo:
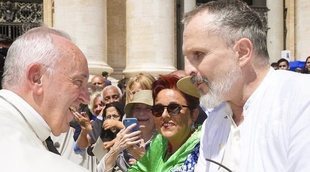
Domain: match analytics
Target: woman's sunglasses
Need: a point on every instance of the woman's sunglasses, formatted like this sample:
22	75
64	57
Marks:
172	108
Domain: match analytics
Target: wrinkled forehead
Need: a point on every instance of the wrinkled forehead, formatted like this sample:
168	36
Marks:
70	55
110	92
97	79
68	48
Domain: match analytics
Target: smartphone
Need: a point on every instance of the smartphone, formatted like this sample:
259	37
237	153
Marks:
128	121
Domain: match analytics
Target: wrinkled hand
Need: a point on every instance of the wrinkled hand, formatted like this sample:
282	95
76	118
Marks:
101	112
108	144
137	150
109	123
84	121
126	139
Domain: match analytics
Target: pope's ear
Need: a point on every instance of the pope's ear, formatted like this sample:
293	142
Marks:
34	77
244	49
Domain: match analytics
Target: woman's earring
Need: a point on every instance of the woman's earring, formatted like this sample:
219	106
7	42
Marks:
193	127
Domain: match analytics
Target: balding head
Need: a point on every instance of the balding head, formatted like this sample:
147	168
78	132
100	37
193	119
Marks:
50	73
37	45
111	94
98	81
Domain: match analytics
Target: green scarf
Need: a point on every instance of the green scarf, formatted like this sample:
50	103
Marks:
154	158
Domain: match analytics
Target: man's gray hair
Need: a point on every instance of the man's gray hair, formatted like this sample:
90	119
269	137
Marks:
233	20
36	46
113	87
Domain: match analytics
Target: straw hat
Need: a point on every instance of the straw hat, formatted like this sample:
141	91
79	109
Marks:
143	96
185	85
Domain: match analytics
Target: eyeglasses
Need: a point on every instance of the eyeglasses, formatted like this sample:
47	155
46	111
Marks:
172	108
112	116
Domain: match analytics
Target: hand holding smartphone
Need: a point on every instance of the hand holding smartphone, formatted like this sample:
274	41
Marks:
128	121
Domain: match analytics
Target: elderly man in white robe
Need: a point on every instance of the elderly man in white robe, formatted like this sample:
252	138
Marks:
45	75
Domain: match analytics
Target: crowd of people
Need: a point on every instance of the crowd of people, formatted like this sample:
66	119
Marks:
284	64
227	111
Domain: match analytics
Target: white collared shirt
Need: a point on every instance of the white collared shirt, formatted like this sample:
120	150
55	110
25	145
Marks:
231	154
21	141
274	135
40	127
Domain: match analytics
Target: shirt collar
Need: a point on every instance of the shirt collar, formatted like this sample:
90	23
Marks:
224	108
262	86
38	124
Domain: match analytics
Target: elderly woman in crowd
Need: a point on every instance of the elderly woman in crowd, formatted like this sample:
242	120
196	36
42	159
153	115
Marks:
91	111
114	112
135	142
141	81
176	147
90	132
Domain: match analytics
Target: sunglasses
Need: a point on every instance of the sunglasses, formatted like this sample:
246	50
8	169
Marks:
172	108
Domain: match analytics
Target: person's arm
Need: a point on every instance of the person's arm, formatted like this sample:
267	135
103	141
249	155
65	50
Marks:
120	125
85	123
138	150
142	164
108	162
110	123
108	144
83	141
123	140
77	149
110	158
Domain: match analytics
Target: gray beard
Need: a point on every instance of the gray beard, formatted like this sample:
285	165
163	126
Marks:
220	87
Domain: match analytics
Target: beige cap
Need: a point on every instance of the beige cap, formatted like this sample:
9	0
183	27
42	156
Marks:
142	96
185	85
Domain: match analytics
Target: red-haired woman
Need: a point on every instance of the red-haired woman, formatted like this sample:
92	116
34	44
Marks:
176	147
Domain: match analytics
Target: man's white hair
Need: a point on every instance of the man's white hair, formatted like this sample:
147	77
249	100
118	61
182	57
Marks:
36	46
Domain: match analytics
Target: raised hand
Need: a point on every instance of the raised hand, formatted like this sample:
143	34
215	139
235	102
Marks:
83	119
111	123
131	141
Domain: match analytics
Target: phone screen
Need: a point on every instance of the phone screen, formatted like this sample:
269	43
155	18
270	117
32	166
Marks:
128	121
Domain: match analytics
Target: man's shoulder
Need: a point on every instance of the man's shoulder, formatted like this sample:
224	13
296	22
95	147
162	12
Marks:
22	153
292	83
279	84
290	77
